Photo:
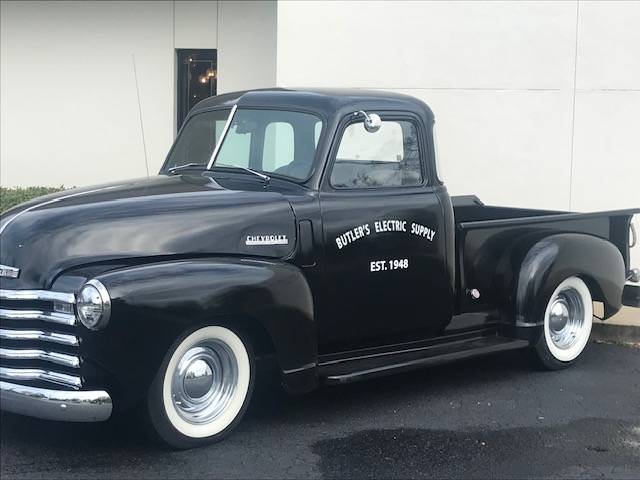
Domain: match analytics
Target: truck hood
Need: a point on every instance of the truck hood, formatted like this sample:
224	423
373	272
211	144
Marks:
156	217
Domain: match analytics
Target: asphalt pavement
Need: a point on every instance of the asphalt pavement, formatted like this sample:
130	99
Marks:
489	417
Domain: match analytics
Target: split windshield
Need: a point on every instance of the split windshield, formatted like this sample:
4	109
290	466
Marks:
275	142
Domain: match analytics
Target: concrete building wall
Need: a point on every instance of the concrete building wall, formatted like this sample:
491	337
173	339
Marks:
196	24
69	112
537	104
247	50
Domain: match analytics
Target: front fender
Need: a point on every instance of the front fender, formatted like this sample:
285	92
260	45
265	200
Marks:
549	261
155	303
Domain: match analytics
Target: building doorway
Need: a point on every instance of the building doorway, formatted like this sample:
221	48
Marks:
197	78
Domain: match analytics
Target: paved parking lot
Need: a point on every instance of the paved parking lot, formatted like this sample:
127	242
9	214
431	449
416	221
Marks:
492	417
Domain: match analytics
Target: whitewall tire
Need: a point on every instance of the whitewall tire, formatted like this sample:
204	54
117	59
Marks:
568	318
202	388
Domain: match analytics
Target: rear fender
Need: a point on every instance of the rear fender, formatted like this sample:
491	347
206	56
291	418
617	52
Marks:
153	304
549	261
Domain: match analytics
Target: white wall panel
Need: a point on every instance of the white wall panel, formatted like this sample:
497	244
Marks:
606	164
609	45
69	106
196	24
69	111
508	147
606	160
513	45
247	49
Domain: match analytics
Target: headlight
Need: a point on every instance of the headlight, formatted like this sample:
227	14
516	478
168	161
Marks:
94	305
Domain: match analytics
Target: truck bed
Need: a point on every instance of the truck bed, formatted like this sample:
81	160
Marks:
483	231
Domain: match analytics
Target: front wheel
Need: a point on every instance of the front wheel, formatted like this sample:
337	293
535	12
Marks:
202	388
568	318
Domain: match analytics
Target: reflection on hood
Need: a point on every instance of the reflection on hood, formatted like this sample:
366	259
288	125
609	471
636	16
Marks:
157	217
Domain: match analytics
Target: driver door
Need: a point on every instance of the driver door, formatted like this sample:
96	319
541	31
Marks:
385	274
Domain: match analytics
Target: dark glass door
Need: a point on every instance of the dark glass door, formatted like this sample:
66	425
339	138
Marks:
197	78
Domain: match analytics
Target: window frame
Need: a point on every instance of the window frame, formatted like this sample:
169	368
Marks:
348	120
437	170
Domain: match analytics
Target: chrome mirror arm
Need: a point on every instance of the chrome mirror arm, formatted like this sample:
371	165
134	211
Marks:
372	121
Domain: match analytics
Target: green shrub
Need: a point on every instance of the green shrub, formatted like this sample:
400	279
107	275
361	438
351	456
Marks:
10	197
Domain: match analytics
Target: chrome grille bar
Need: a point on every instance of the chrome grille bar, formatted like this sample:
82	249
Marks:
39	305
54	337
42	295
31	374
55	317
37	354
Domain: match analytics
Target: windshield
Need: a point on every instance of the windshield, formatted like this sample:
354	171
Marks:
271	141
197	139
275	142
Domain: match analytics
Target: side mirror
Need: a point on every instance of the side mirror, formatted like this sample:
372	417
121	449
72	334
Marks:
372	121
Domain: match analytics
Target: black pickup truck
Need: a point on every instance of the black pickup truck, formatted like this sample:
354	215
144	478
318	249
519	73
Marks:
305	227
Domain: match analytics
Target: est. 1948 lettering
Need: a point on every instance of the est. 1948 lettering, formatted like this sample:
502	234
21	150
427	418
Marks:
384	265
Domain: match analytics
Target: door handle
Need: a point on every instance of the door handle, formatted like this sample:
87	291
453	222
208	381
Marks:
306	252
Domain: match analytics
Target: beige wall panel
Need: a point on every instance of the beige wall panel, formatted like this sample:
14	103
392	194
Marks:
69	110
506	45
247	49
196	24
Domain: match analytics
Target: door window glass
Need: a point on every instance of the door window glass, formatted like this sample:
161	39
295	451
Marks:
389	157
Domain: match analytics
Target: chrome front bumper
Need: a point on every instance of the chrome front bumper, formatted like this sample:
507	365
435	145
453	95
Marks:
78	406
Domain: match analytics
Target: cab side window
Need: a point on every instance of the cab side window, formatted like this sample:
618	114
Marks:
389	157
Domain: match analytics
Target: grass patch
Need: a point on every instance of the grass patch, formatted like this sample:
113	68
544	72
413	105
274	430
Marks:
10	197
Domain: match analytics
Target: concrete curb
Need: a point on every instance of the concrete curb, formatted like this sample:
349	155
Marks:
612	333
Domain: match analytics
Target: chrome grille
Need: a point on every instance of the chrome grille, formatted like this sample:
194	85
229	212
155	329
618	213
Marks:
45	336
38	338
54	317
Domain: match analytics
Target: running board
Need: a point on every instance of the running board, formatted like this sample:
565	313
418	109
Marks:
346	370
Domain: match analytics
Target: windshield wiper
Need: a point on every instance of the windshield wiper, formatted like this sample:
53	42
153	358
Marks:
186	165
265	178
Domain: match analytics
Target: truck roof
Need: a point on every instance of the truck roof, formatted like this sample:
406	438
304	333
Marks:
326	101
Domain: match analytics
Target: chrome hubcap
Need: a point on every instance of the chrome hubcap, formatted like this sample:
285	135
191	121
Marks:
204	381
198	379
566	318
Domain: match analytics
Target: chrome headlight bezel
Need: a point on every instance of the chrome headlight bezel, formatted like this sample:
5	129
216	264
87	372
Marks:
91	290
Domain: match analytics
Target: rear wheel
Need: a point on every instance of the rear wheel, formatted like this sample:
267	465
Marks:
202	388
568	319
